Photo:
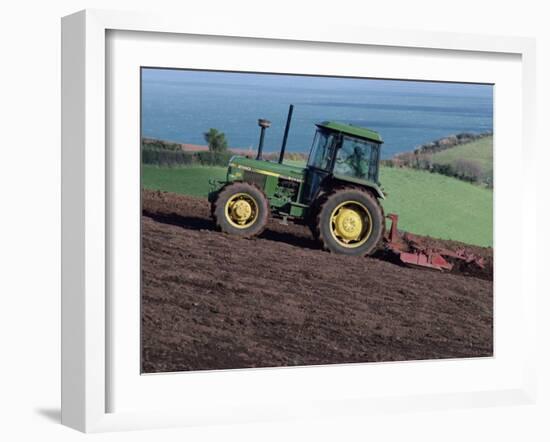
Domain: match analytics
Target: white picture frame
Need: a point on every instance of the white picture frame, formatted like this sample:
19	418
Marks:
87	207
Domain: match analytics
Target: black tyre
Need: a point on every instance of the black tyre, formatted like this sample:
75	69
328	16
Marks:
350	221
241	209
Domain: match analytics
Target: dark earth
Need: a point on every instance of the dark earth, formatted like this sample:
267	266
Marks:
214	301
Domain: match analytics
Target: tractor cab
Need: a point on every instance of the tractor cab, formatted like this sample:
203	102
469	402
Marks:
343	153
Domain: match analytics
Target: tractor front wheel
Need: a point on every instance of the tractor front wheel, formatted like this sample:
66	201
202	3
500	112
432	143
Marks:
241	209
350	221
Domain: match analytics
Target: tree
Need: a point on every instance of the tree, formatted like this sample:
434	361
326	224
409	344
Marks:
467	170
216	140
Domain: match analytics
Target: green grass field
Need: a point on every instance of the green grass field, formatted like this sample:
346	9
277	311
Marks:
427	203
299	163
187	180
439	206
479	151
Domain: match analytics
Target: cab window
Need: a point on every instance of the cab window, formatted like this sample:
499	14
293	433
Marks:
355	158
321	151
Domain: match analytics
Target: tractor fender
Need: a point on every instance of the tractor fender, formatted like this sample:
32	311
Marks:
377	191
367	185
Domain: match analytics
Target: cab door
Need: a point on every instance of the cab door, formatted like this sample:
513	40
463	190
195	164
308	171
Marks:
320	162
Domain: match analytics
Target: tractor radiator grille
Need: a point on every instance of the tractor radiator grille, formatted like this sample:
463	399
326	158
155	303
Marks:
255	178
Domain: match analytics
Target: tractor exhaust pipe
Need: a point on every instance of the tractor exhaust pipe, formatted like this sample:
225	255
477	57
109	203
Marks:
285	137
264	124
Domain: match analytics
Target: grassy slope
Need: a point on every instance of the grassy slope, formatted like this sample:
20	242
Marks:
480	151
299	163
439	206
187	180
427	204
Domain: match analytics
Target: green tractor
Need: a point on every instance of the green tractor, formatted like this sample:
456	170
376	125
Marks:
337	194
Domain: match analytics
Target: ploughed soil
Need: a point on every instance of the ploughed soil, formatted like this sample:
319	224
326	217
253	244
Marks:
214	301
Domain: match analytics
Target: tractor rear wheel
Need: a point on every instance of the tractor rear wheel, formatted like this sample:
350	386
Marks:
350	221
241	209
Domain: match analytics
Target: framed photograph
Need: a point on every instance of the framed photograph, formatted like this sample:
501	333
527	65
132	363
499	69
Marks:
260	226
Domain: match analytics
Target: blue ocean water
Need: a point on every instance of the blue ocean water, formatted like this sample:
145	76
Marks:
180	105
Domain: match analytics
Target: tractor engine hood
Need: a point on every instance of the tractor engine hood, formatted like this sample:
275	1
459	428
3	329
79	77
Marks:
285	171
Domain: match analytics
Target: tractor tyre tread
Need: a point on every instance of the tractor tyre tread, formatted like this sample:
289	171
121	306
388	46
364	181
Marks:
218	209
379	222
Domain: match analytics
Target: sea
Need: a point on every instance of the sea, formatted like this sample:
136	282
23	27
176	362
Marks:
181	105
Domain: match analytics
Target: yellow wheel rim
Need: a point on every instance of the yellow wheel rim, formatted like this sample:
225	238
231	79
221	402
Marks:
241	210
351	224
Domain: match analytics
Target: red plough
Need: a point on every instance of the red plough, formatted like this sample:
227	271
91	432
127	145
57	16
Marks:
410	251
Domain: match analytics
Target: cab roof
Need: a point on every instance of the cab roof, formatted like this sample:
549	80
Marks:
350	129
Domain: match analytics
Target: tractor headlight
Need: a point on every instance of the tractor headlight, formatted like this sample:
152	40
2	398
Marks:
234	176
